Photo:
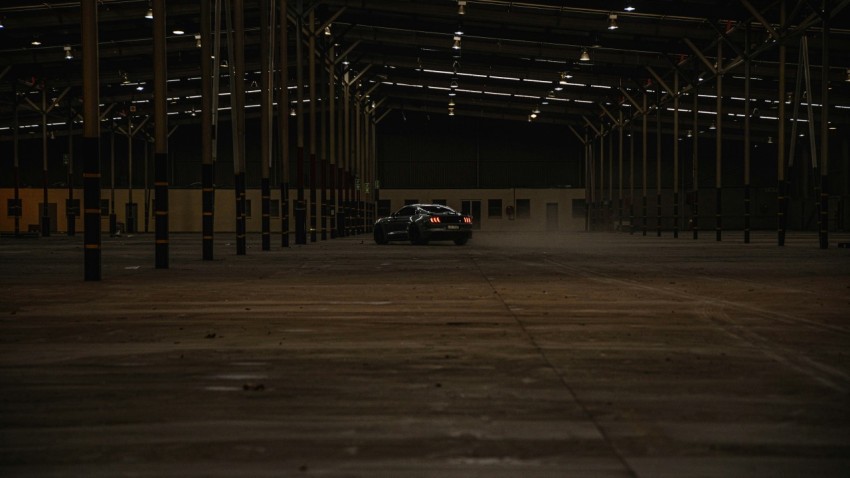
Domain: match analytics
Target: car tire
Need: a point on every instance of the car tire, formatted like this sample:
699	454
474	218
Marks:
460	241
415	236
380	236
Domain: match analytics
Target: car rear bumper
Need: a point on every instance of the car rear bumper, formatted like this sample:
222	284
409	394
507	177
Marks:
445	234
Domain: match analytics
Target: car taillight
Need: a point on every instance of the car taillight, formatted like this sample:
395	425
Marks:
435	219
467	220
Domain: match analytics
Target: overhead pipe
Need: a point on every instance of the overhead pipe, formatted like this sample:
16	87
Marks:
160	137
660	81
758	16
90	144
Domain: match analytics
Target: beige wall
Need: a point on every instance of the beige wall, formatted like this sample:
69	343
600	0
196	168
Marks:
185	207
539	198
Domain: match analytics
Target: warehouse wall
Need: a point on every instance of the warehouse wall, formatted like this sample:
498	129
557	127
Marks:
185	211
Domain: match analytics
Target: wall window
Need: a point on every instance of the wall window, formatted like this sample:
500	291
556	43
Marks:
523	208
248	208
411	201
440	201
104	207
494	208
274	208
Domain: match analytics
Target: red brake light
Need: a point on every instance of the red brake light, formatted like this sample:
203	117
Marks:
435	219
467	220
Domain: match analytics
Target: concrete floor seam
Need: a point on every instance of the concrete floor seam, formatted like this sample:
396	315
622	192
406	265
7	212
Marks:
816	371
620	457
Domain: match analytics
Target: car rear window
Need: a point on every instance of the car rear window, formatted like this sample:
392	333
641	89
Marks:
438	209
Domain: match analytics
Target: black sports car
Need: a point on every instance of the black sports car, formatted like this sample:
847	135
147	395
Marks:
420	223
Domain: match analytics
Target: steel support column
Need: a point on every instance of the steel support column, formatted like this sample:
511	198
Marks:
747	139
645	119
600	197
695	162
266	85
300	205
333	210
358	159
113	218
91	142
323	156
71	212
237	117
207	130
782	185
718	178
18	210
347	169
311	70
631	177
129	216
283	106
620	169
160	135
658	163
676	154
824	131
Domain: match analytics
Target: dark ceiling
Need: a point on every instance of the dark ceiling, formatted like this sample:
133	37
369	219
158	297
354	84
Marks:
511	57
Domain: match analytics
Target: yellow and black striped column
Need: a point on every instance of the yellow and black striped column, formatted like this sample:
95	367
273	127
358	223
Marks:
266	85
823	236
208	135
91	142
283	123
781	219
160	137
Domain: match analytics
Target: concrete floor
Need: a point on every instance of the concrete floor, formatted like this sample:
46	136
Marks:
574	355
